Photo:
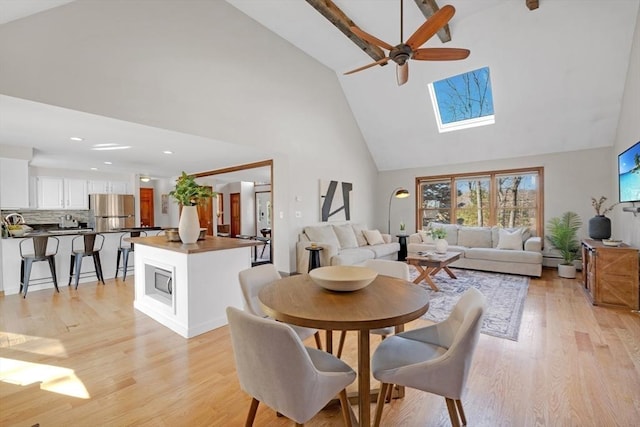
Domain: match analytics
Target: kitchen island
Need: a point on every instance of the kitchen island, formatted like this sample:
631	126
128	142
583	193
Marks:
187	287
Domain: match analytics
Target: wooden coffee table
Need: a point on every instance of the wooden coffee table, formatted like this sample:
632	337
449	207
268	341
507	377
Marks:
430	265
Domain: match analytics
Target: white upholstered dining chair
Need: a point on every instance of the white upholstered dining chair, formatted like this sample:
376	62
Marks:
397	269
275	368
255	278
436	358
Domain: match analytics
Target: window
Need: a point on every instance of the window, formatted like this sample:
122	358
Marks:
507	199
463	101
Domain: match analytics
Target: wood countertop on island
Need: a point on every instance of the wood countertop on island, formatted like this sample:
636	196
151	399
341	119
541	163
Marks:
210	243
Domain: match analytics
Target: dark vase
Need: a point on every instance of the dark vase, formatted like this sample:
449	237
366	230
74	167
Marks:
599	227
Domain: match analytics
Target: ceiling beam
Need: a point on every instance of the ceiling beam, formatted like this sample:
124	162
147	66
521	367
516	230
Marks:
428	8
532	4
329	10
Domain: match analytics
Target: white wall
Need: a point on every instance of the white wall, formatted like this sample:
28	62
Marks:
625	225
204	68
570	180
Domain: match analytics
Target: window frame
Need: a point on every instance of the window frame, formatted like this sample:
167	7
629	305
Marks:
493	194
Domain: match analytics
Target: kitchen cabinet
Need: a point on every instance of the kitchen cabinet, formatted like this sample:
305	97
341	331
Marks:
109	187
610	274
62	193
14	183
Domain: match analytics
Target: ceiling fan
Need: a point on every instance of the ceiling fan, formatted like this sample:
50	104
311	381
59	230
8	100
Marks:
410	49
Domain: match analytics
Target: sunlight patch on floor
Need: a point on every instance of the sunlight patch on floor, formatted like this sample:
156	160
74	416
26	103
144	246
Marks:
52	378
32	344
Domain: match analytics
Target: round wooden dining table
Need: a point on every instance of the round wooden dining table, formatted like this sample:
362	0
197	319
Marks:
387	301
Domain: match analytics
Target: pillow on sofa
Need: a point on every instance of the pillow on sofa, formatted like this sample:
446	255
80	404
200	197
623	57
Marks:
322	234
495	233
373	237
346	236
474	237
359	232
510	239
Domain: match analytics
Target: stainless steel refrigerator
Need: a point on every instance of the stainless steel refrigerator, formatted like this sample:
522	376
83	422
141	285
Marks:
108	212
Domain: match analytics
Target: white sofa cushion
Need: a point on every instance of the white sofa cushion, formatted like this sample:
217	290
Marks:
475	237
352	256
510	239
491	254
358	230
322	234
451	229
373	237
425	236
385	249
346	236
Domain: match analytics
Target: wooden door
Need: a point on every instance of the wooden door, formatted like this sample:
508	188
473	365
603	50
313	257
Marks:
205	214
146	207
234	201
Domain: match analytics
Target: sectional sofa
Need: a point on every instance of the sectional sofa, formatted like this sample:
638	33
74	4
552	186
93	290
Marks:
344	244
502	250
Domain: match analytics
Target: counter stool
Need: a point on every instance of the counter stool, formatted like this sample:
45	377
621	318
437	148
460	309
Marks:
90	247
124	249
40	244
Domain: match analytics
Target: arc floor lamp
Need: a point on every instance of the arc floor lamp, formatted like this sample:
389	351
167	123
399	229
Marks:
399	193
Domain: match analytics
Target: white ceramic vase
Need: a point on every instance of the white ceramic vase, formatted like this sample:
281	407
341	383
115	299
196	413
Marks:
189	225
441	246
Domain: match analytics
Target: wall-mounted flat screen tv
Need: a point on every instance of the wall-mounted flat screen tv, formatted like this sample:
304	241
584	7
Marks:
629	174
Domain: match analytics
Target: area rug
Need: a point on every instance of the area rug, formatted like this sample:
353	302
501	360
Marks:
505	294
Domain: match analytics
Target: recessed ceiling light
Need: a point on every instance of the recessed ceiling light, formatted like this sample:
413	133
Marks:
108	163
145	179
94	169
168	152
76	138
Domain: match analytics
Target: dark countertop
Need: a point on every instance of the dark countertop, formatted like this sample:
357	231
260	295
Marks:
210	243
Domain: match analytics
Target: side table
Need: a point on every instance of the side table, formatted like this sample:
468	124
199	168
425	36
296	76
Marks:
314	257
402	253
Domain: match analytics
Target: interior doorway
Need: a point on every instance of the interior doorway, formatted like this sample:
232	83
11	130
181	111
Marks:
234	202
205	213
146	207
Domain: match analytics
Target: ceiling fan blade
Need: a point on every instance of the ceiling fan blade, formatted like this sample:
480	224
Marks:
380	62
371	39
431	26
440	54
402	73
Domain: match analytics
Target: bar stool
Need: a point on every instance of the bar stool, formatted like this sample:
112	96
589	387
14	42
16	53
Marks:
89	245
40	244
124	249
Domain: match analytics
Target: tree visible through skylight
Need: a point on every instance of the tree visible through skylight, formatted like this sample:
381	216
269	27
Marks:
463	101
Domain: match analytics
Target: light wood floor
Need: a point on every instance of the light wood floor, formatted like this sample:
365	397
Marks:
87	358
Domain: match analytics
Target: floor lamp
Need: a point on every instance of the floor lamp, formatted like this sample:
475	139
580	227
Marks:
399	193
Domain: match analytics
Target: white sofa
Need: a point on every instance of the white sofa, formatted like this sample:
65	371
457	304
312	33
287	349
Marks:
513	250
344	244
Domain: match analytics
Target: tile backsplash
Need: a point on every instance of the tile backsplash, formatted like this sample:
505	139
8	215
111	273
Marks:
46	216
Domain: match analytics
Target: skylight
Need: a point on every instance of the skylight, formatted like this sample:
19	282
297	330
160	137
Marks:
463	101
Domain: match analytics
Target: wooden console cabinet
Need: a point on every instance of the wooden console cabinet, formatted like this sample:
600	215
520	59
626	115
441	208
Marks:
610	274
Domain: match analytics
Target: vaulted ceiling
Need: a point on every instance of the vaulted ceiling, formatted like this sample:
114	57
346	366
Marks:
558	72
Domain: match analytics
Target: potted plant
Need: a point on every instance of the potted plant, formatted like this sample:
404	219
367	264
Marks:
438	235
189	194
562	233
600	225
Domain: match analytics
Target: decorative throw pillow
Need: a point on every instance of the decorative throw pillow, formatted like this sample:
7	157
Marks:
510	239
474	237
322	234
373	237
346	236
358	229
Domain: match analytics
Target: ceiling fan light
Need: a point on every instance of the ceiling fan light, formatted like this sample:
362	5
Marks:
402	73
145	179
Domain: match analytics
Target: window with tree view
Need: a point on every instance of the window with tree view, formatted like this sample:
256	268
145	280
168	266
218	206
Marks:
504	198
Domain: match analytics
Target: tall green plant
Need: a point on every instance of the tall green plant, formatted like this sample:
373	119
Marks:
562	233
188	192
